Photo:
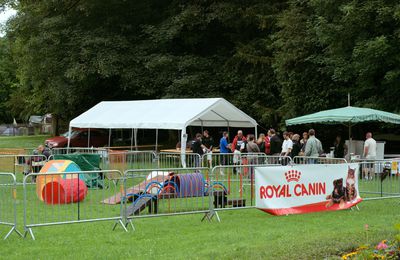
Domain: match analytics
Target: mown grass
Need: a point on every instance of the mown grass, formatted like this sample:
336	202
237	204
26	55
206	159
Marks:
22	141
242	234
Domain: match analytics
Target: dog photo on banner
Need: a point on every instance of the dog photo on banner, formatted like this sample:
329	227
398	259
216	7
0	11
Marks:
282	190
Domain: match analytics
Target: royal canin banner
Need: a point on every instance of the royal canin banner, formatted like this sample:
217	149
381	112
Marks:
282	190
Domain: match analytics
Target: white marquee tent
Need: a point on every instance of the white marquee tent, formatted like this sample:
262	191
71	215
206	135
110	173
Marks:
163	114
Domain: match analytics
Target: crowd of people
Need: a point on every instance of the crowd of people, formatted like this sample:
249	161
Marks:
290	145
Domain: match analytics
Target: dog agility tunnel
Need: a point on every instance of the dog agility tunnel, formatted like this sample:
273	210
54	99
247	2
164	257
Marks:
189	185
60	188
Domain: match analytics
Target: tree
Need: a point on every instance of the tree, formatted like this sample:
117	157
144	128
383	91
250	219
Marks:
8	79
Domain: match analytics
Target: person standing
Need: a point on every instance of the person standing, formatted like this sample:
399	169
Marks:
370	155
303	143
35	163
296	146
198	148
313	147
252	148
238	146
261	142
340	147
275	143
287	145
208	142
224	148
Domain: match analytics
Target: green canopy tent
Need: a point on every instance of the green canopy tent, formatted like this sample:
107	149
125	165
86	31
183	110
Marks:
348	116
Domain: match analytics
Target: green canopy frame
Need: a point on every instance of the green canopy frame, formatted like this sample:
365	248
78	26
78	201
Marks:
348	116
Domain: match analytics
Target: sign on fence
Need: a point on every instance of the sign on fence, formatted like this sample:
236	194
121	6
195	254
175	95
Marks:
282	190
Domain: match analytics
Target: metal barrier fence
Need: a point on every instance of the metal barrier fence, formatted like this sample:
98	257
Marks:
120	160
16	151
173	160
124	160
165	192
23	163
233	187
317	160
62	198
217	159
86	150
8	206
379	179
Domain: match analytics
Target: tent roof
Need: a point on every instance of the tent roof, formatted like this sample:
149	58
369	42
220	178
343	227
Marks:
347	114
163	114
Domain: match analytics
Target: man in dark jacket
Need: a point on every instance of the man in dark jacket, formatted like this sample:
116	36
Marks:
198	147
275	143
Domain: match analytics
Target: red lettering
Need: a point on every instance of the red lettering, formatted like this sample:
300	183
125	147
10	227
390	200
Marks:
296	187
282	192
276	190
311	188
269	192
322	188
303	190
288	194
262	192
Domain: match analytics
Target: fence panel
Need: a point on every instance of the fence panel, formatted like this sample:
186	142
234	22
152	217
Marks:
379	179
124	160
317	160
62	198
218	159
173	160
165	192
8	206
22	164
86	150
232	187
213	159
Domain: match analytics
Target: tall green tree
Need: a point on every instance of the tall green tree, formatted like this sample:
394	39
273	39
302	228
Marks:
73	54
8	80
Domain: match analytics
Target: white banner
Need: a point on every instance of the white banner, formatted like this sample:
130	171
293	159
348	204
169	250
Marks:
282	190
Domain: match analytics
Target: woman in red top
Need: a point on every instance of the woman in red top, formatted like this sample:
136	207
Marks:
263	143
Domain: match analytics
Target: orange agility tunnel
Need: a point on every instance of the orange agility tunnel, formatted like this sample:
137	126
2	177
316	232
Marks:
60	188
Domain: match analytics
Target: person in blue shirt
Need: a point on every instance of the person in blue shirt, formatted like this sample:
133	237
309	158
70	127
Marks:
224	147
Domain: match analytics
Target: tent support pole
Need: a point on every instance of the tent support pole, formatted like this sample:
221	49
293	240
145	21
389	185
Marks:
88	140
350	141
132	139
183	146
135	137
227	121
69	137
202	130
156	140
255	131
109	137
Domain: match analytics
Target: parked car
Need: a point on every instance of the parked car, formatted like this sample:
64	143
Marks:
79	138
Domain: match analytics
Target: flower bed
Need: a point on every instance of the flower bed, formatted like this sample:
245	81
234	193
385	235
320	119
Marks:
385	249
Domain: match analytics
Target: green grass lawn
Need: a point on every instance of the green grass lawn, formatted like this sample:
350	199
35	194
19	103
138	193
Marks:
242	234
31	141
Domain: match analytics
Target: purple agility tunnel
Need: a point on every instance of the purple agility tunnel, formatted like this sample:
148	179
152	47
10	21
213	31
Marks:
190	184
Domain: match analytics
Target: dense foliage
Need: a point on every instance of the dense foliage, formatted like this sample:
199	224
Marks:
273	59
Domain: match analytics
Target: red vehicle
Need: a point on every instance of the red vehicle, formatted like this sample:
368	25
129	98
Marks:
79	138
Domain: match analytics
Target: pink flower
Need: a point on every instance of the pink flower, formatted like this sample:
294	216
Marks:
366	226
381	246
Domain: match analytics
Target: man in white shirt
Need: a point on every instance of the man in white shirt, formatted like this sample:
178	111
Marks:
370	155
287	144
